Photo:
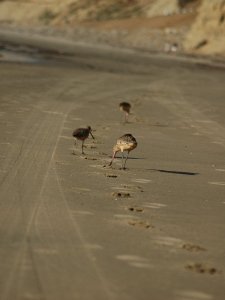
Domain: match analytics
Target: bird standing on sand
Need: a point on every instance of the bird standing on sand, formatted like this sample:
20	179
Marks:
125	107
125	143
82	134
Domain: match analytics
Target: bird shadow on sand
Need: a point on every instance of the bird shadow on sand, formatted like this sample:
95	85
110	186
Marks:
120	157
174	172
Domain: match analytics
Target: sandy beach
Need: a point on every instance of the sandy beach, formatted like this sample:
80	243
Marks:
73	228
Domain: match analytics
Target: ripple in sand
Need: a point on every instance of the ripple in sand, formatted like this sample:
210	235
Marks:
135	261
141	180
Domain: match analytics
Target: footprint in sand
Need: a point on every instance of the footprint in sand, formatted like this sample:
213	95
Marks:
119	195
140	224
192	247
132	187
111	175
135	209
178	243
133	221
202	268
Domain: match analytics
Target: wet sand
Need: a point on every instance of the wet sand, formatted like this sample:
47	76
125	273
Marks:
73	228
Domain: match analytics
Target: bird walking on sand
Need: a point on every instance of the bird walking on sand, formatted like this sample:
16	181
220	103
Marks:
81	134
125	107
125	143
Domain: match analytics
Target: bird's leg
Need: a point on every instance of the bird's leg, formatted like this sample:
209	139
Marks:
122	159
126	117
74	145
82	147
126	160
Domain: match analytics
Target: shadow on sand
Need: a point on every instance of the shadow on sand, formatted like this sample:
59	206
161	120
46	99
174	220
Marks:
129	157
174	172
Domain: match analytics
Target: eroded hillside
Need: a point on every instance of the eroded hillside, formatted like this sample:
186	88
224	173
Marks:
195	26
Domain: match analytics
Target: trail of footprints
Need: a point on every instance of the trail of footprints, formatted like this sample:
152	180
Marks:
126	192
134	218
202	268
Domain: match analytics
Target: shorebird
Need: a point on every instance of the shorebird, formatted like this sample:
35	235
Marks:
125	107
81	134
125	143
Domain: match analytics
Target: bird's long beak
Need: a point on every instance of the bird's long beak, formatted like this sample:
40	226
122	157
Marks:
92	135
113	156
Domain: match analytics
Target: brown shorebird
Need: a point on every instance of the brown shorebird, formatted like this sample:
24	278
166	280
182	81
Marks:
125	107
125	143
81	134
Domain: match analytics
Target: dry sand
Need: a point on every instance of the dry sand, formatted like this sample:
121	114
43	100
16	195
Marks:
73	228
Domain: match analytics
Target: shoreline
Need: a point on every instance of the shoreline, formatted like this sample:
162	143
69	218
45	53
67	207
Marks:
53	40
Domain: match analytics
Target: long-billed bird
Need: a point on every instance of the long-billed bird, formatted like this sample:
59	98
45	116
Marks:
125	143
125	107
81	134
